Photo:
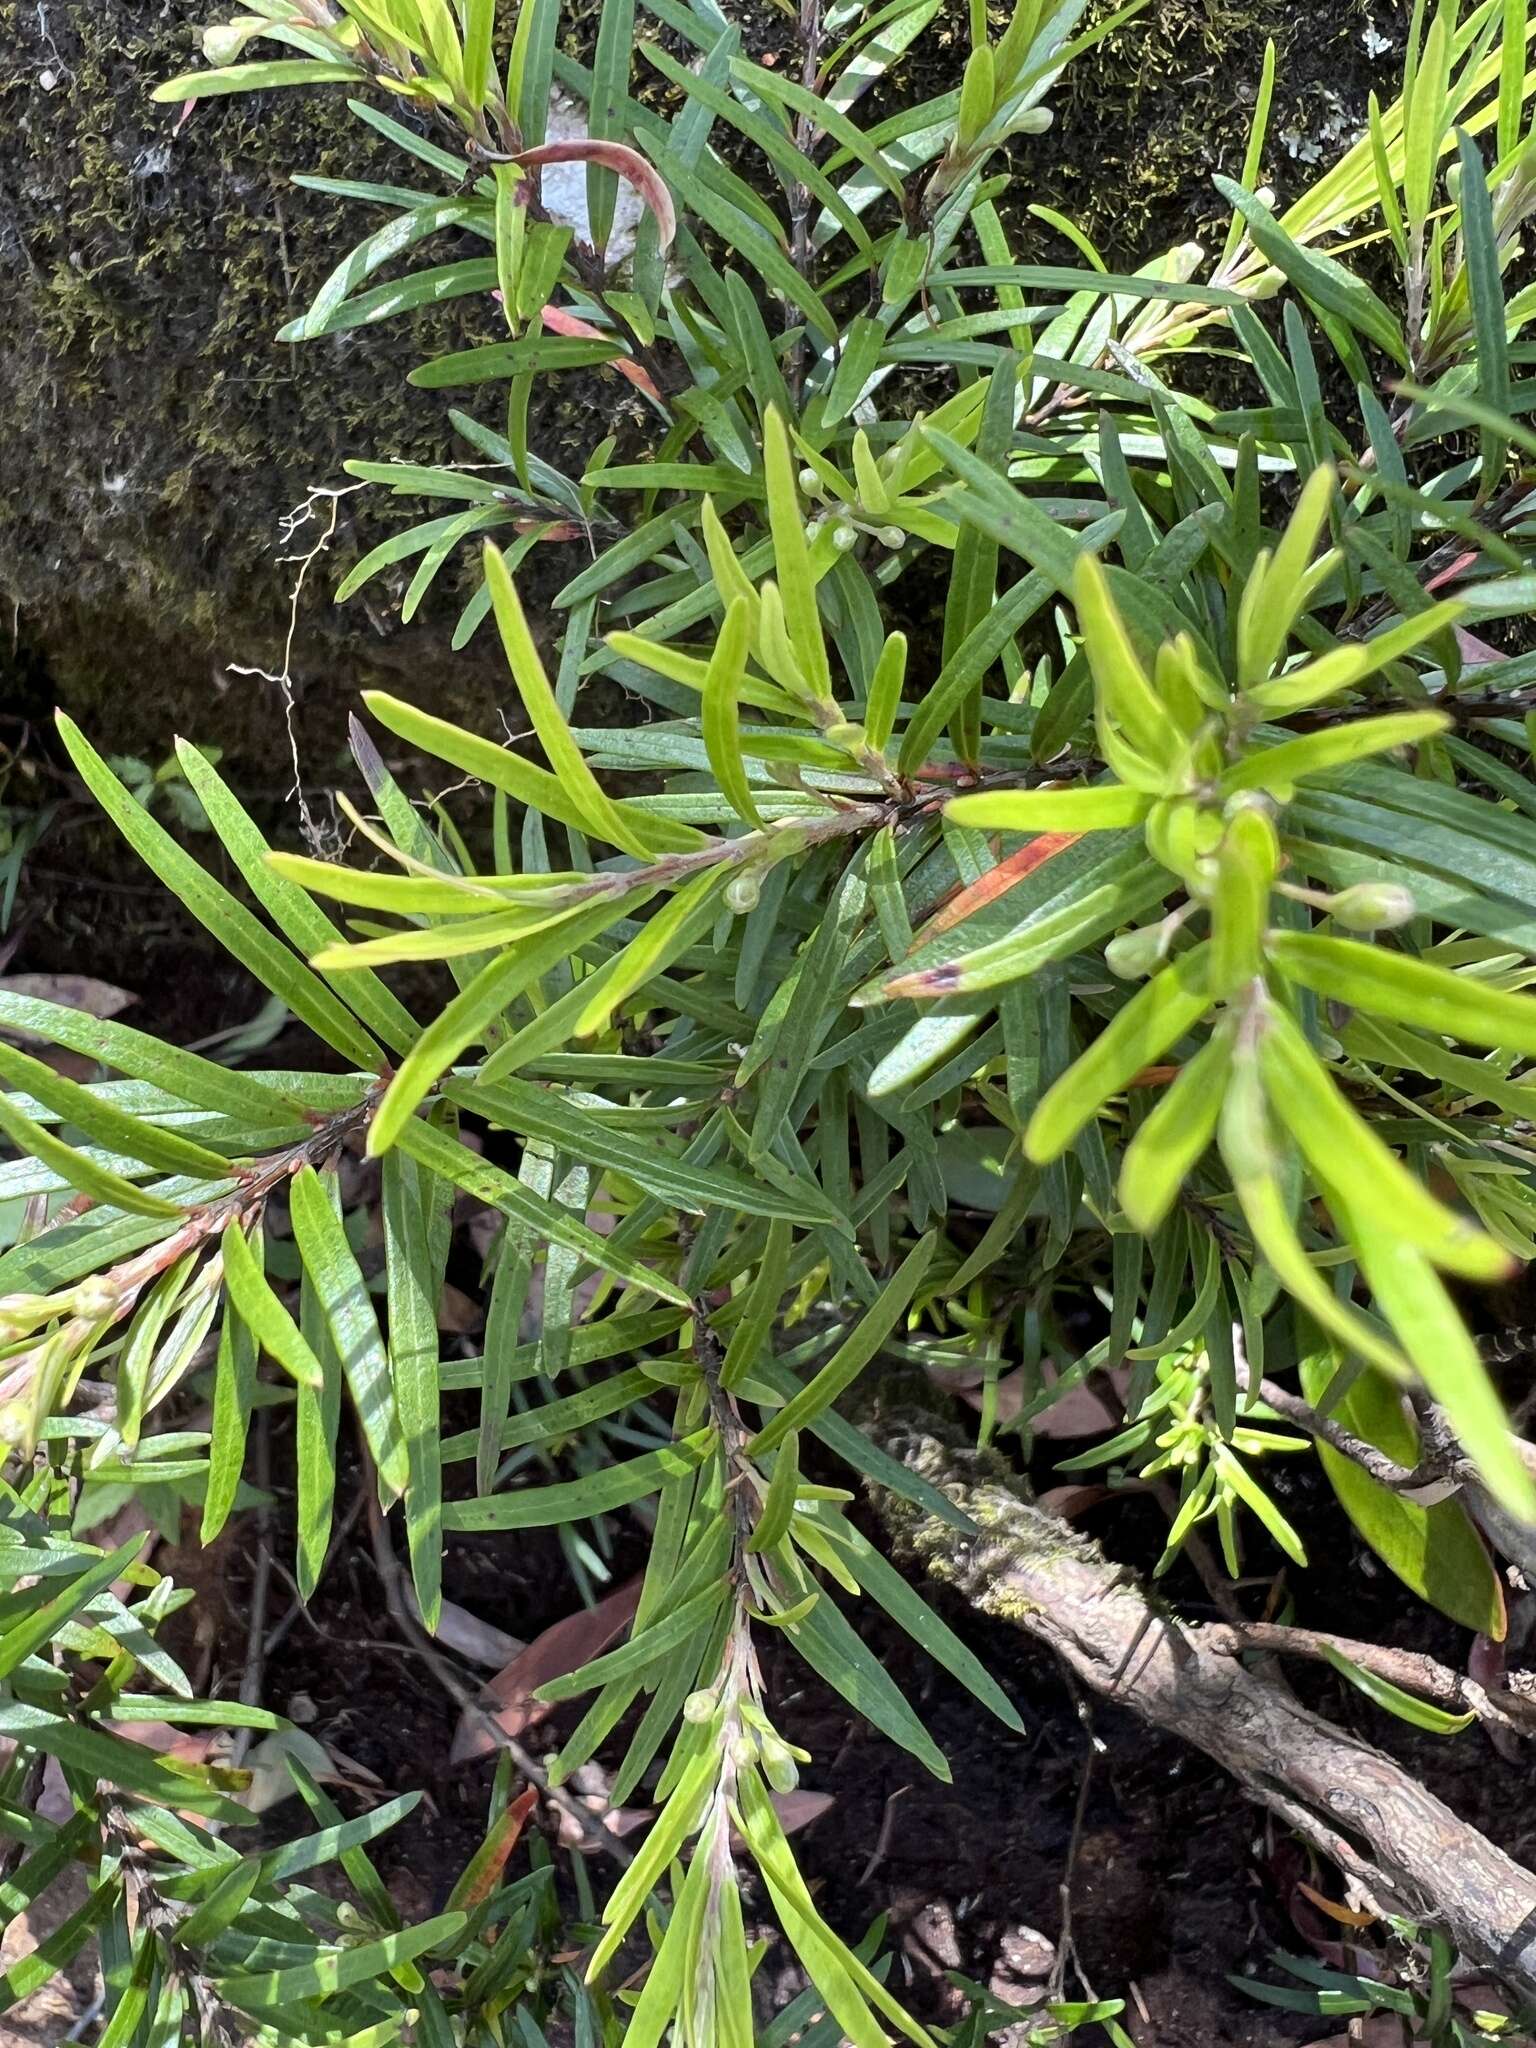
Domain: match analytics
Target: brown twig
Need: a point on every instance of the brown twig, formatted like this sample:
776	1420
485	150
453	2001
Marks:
1436	1469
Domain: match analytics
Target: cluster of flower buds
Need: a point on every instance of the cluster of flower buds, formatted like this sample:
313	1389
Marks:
849	522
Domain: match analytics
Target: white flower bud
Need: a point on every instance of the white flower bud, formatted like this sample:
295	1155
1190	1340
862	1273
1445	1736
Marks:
1135	954
779	1764
1373	907
742	892
845	537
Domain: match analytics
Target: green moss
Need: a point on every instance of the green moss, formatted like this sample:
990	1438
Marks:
163	433
161	430
1145	118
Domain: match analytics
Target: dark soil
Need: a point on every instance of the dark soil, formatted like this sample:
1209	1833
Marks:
1177	1883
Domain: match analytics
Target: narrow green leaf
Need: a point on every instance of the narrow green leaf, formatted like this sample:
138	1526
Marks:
720	710
544	1507
488	1183
853	1354
117	1129
343	1296
1417	1713
413	1283
1138	1035
269	1323
212	905
1409	991
78	1171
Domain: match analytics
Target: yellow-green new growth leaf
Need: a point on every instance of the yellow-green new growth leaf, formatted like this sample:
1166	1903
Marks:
720	710
792	557
263	1314
1341	1145
1154	1019
885	687
1342	667
1246	864
1167	1147
731	580
598	814
669	932
1415	992
1314	753
471	1013
1247	1149
1272	598
262	77
1124	699
1100	809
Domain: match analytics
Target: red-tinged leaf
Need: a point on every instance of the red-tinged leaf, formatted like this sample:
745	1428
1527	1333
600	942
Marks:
559	320
509	1697
1475	653
559	529
628	163
191	1746
483	1872
994	883
1487	1664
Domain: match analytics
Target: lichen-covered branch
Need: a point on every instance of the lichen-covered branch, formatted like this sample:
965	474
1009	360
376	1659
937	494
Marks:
1405	1849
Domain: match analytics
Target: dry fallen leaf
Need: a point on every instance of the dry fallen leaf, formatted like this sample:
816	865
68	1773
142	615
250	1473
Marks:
469	1636
1079	1411
74	991
508	1697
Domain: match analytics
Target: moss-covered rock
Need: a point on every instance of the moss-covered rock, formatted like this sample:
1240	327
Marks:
155	432
1144	121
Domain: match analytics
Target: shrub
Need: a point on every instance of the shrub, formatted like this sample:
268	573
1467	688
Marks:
1123	964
